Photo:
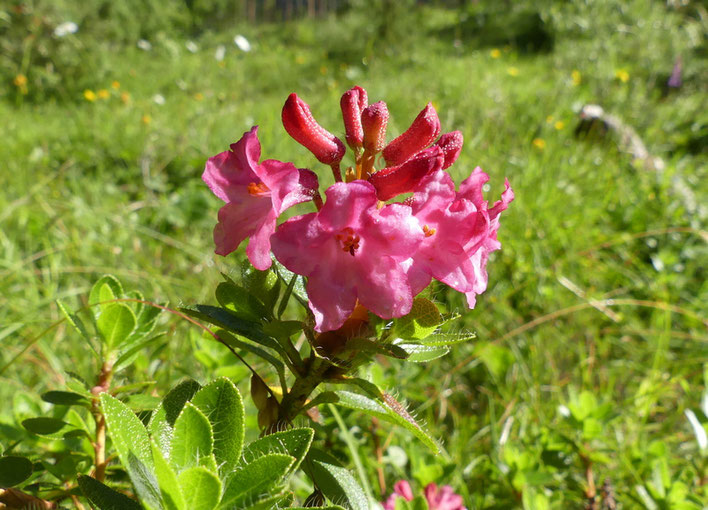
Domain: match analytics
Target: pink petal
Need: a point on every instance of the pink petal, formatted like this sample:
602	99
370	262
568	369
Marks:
238	220
235	168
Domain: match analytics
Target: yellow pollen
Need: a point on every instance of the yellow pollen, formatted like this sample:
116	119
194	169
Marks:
257	188
429	231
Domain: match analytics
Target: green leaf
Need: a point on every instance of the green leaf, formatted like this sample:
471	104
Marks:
423	319
105	498
293	442
226	319
388	409
336	482
74	320
163	419
366	345
107	287
167	480
201	488
115	324
331	507
265	285
64	398
14	470
283	329
130	439
279	501
446	338
296	286
239	301
420	353
258	351
193	439
221	403
50	427
259	477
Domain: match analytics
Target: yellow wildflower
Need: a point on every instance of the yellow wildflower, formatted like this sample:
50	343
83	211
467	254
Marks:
115	85
20	80
622	75
125	97
539	143
199	96
513	71
576	77
146	119
495	53
559	125
103	94
89	95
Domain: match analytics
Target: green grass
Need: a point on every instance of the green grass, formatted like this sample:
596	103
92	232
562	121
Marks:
114	187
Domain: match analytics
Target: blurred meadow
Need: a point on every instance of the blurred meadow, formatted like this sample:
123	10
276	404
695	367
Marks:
592	341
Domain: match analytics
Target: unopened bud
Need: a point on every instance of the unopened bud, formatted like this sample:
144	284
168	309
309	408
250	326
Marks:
404	178
451	145
424	129
374	119
301	125
353	103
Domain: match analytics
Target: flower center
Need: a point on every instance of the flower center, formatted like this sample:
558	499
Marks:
257	189
348	240
429	231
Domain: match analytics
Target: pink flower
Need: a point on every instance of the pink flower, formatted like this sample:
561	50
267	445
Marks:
460	232
400	489
350	250
443	498
437	499
255	195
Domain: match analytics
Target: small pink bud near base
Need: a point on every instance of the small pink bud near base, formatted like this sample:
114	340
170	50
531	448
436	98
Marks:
404	178
374	119
424	129
301	125
451	145
353	103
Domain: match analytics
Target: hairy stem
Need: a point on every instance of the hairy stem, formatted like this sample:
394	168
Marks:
99	445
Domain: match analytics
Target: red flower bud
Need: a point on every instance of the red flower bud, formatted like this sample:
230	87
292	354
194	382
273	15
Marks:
301	125
424	129
404	178
374	119
451	145
353	103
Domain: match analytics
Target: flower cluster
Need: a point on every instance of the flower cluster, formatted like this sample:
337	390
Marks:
443	498
361	245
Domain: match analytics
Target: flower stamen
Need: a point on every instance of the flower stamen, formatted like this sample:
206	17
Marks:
257	189
429	231
348	240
